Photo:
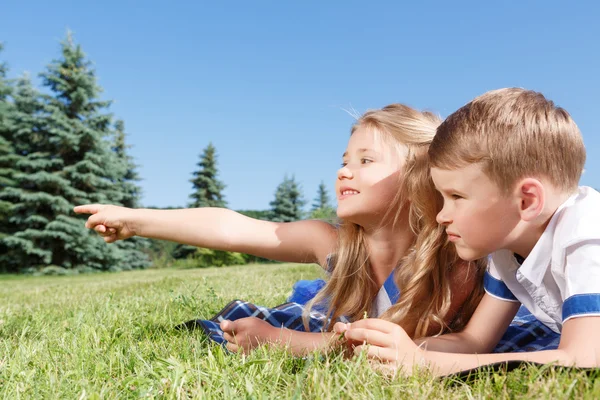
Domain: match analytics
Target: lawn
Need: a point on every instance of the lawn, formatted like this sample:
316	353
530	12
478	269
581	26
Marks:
104	336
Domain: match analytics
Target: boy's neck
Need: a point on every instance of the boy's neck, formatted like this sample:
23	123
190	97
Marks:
531	231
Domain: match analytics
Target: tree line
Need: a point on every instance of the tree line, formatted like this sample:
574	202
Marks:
61	146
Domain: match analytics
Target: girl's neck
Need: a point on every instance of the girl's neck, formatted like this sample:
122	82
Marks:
387	246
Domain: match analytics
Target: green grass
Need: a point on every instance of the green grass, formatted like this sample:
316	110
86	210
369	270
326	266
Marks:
111	336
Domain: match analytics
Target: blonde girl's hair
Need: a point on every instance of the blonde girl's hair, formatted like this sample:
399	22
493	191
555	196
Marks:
424	274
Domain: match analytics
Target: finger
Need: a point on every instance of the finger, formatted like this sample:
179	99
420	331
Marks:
375	324
234	348
377	353
229	338
110	239
340	327
112	230
94	220
226	326
370	336
88	208
100	229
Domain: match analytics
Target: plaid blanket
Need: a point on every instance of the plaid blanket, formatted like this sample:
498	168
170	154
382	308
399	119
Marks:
525	333
287	315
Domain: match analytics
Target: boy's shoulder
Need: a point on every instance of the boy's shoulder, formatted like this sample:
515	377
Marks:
578	219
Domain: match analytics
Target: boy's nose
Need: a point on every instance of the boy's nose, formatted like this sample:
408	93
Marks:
442	218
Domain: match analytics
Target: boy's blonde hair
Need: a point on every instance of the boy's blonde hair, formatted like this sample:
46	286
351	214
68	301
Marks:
514	133
424	274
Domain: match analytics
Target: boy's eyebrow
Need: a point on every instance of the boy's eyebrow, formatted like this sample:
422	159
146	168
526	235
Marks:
449	190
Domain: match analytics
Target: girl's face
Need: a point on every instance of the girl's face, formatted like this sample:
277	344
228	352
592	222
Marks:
368	181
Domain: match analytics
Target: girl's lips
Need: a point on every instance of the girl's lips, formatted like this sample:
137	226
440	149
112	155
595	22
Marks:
346	192
345	196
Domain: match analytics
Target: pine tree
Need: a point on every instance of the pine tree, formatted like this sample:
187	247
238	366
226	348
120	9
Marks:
31	208
128	176
322	199
288	202
321	209
207	192
63	140
207	188
133	257
8	157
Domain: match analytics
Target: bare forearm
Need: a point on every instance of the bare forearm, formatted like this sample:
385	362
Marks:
202	227
446	363
460	342
302	343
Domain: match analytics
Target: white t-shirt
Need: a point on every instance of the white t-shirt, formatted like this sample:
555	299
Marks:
560	279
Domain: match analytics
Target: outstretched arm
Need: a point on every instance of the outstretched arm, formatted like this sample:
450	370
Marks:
216	228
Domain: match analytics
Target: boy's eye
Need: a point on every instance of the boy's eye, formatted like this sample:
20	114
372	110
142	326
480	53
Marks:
343	164
456	196
365	161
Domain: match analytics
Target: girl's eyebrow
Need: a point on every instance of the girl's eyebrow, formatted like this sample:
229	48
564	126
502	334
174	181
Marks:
363	150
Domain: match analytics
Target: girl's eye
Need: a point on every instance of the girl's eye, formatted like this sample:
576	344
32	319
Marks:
456	196
365	161
343	164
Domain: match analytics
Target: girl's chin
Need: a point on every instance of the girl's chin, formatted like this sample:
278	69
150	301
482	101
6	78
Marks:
353	217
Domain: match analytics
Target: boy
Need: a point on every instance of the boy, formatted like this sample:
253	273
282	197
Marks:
507	165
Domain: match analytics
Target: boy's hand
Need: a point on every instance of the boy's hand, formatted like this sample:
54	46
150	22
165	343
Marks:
111	222
381	340
247	333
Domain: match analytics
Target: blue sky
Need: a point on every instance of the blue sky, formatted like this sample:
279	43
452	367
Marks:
267	82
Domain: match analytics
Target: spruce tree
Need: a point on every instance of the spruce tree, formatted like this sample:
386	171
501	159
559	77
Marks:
288	202
64	141
321	208
8	157
133	255
128	176
32	208
322	199
208	189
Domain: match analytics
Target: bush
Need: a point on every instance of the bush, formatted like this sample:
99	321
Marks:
217	258
54	270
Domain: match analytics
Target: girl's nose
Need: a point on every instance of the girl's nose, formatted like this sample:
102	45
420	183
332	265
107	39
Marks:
344	173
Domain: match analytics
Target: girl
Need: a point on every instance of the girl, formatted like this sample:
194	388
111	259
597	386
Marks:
387	206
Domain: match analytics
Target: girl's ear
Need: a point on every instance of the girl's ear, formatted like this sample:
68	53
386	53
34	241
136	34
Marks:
532	198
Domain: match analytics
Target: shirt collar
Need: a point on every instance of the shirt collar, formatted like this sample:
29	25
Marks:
536	264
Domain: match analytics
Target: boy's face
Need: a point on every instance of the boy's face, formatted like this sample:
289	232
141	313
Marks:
479	219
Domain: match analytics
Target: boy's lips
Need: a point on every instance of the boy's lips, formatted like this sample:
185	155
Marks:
452	237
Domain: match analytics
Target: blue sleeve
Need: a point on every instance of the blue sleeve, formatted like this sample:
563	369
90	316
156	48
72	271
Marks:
497	288
581	305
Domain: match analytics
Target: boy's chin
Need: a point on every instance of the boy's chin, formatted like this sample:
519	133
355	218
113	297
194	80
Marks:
469	254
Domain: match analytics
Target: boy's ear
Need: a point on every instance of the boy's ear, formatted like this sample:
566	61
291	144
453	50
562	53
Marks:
532	197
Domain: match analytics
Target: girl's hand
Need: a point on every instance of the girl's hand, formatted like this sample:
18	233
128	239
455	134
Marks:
383	341
111	222
248	333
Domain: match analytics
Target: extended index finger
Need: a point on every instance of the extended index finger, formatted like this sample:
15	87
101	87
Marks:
88	208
